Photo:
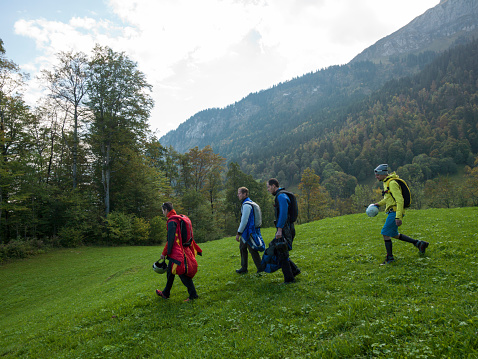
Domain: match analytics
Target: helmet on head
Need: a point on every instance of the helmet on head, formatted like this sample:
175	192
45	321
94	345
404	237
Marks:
371	210
160	267
381	169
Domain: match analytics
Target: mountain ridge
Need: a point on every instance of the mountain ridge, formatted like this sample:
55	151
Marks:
421	34
308	105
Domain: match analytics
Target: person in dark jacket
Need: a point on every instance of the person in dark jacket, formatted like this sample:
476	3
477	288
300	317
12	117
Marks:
174	251
285	230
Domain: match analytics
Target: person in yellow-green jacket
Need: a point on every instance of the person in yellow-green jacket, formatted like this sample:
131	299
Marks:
393	201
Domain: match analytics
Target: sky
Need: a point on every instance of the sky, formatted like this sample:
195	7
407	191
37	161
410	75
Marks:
200	54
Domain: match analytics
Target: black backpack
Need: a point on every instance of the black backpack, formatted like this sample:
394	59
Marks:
407	196
293	206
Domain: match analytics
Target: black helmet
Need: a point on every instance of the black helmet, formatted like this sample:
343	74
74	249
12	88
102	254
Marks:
160	267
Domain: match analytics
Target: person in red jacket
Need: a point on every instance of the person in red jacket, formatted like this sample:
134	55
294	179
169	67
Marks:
175	253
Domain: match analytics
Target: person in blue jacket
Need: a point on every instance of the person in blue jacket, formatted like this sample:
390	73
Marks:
244	230
285	230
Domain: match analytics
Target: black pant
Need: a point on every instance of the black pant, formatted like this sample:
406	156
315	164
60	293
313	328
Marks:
289	268
187	281
243	248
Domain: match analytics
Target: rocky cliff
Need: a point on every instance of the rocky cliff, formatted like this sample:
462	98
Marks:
450	22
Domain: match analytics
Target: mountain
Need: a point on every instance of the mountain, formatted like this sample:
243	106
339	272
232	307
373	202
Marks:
264	131
450	22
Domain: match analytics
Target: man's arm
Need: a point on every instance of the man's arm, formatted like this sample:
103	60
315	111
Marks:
283	201
396	192
170	239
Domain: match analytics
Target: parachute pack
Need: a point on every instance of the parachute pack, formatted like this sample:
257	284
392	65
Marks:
185	227
257	213
407	197
293	206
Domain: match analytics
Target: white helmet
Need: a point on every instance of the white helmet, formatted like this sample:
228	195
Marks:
372	210
160	267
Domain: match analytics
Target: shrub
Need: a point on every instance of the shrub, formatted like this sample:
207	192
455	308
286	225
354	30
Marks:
157	230
20	249
140	230
70	237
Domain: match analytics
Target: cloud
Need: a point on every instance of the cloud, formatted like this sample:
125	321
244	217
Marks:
211	53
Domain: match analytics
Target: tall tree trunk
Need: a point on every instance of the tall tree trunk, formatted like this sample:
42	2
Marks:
75	148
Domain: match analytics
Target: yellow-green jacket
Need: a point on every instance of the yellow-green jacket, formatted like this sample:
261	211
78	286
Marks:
395	202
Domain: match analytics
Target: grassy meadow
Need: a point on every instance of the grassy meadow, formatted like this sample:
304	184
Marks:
100	302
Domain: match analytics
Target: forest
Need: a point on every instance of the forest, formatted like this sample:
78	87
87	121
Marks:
82	166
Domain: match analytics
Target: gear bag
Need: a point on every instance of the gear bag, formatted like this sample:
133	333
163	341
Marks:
407	196
256	241
185	228
257	213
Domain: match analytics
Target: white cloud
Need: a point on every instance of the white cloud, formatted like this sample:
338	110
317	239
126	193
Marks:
211	53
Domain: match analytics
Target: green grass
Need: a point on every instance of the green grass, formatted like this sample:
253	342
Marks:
100	302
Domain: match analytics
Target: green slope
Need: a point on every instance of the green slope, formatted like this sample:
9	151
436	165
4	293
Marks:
100	302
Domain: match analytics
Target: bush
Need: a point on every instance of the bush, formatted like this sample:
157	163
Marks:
70	237
140	230
20	249
124	228
157	230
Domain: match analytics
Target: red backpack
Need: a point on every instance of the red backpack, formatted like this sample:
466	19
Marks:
185	228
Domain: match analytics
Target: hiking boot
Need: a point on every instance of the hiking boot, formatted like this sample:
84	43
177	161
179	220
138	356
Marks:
190	299
241	271
388	260
287	282
161	294
296	273
422	245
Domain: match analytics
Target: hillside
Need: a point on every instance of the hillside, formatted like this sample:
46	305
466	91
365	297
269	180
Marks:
450	22
96	302
282	128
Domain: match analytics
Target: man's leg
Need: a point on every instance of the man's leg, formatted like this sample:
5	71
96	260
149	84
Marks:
295	269
421	245
284	263
189	284
169	281
256	257
388	247
244	257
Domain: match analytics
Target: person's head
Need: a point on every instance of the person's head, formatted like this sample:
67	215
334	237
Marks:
272	186
167	207
381	172
242	193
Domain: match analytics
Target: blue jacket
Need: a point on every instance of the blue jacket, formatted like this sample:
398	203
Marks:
283	211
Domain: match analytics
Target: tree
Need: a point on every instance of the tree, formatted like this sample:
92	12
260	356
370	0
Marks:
67	84
340	185
362	197
314	200
15	145
120	105
471	184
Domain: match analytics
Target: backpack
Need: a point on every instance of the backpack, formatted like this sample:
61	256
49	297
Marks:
257	214
407	196
185	227
293	206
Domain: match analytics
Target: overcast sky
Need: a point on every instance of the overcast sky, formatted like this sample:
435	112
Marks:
201	54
